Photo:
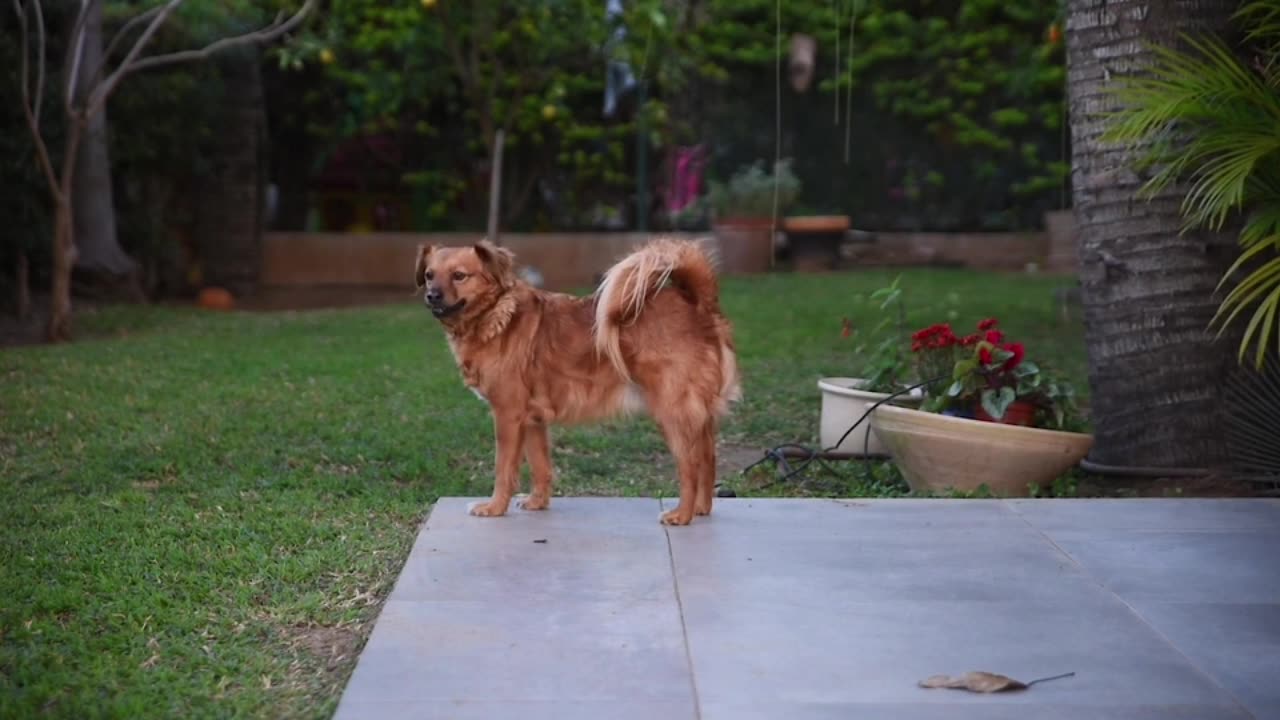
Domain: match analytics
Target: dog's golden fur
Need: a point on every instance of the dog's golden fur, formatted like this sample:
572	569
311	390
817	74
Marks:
651	337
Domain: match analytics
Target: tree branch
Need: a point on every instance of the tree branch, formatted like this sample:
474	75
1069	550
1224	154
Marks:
32	111
101	91
132	64
266	34
75	51
122	32
40	39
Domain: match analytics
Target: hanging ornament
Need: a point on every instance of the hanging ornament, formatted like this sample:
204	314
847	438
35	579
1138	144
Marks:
803	51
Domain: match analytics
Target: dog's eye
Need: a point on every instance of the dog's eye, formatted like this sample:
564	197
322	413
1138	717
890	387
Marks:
459	276
430	275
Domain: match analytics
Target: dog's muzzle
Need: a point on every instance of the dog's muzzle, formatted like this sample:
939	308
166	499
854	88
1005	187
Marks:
435	302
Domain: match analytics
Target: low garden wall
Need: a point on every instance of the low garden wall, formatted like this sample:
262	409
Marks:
985	251
575	260
565	260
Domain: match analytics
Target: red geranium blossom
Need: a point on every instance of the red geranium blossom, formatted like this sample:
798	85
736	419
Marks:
988	324
984	356
995	337
1018	353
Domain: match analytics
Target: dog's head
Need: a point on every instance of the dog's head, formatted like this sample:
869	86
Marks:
461	281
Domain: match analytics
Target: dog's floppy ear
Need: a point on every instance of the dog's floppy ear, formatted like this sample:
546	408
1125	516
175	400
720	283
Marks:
500	261
420	271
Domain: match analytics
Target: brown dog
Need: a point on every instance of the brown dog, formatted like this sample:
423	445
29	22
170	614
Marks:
652	336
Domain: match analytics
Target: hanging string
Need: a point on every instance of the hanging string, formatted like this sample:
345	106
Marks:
777	117
848	95
839	8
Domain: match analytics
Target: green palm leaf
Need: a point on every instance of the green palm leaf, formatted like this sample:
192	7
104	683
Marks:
1204	117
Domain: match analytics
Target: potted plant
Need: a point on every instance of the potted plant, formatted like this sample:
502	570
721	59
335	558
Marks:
846	400
994	418
743	211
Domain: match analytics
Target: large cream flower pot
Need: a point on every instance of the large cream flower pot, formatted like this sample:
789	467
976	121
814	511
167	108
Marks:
842	405
940	452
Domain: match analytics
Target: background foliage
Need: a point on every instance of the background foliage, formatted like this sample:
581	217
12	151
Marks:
952	110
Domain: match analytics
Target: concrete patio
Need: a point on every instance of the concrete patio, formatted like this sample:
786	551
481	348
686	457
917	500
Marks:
819	609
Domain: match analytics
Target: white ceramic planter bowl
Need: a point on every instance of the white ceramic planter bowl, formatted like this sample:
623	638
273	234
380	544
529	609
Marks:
938	453
842	404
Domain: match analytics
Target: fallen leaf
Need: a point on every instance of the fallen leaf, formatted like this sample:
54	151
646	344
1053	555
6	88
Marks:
983	682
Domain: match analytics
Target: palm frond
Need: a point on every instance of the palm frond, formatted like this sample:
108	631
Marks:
1204	117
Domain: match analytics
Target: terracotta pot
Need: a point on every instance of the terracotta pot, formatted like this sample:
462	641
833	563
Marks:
1020	412
745	245
938	452
843	403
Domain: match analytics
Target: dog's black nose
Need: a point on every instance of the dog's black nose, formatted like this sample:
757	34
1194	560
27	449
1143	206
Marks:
434	296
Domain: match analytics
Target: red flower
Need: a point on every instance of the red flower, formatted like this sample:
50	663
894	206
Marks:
969	340
995	337
1018	353
984	356
988	324
916	346
845	327
930	331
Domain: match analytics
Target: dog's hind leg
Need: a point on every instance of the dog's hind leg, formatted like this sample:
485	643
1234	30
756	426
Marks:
537	452
510	438
684	443
706	485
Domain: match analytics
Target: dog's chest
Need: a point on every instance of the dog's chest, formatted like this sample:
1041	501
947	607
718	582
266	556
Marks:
470	372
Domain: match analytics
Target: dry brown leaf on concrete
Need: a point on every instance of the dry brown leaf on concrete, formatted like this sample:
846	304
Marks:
983	682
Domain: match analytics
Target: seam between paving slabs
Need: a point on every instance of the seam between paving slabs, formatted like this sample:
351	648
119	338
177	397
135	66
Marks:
684	627
1132	610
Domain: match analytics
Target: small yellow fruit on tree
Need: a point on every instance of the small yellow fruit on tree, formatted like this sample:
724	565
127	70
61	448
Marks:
549	112
326	56
428	4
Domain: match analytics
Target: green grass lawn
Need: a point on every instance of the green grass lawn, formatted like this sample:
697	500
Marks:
202	512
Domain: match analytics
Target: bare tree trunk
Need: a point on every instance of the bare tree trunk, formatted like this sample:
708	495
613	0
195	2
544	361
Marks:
64	247
92	198
1155	374
59	328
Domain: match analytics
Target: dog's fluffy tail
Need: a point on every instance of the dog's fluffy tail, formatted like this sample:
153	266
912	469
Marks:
629	284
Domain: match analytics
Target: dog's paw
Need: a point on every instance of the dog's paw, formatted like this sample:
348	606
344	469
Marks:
533	502
486	508
674	517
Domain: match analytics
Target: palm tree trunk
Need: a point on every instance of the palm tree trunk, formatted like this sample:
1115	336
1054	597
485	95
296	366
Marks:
1155	373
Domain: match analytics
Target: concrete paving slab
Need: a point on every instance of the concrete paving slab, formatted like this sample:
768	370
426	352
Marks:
1236	643
1159	565
815	609
1206	514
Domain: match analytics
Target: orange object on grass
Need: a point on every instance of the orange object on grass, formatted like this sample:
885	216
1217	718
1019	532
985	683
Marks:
215	298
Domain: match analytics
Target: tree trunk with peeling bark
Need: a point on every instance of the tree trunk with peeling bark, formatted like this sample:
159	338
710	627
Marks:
93	203
82	103
1156	374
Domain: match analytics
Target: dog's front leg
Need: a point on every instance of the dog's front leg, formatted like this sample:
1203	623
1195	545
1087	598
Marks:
509	433
537	452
